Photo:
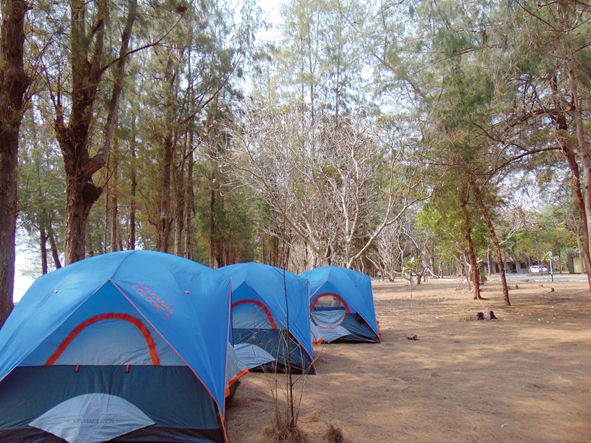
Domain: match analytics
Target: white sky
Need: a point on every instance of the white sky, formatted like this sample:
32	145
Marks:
21	282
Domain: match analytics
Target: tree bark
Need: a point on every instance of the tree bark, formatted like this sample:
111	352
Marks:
43	247
189	202
86	72
107	211
561	128
13	85
581	205
132	202
470	245
54	251
179	216
211	259
489	261
114	203
478	195
164	227
582	143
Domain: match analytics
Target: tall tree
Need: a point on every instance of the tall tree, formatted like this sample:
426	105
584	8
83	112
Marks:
75	114
13	85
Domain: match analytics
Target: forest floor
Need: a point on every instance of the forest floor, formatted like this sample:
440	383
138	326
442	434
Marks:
525	377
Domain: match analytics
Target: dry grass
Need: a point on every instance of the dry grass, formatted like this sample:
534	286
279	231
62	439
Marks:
283	431
334	435
523	378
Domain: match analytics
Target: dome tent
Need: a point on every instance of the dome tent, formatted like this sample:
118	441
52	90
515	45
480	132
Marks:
341	304
259	318
126	346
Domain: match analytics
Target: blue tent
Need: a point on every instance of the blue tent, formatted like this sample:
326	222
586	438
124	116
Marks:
126	346
259	317
341	303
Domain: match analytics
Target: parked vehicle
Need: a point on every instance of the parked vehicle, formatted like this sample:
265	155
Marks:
536	269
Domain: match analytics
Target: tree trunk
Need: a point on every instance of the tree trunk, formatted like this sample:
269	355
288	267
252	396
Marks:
179	215
468	236
489	261
211	259
189	208
114	201
582	143
107	212
164	226
132	202
493	235
580	203
43	247
80	197
562	138
54	251
13	84
74	138
432	260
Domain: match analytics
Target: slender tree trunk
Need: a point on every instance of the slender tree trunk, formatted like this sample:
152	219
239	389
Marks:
211	260
114	215
132	203
468	236
43	247
43	217
189	208
54	251
13	84
562	138
107	192
582	143
489	261
432	261
164	226
478	195
179	216
580	203
114	200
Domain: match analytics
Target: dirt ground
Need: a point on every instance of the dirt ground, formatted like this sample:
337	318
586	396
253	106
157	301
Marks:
523	378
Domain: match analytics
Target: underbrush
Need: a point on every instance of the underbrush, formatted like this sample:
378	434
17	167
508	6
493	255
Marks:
284	431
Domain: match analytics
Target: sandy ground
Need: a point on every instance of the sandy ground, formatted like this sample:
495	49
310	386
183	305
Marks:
523	378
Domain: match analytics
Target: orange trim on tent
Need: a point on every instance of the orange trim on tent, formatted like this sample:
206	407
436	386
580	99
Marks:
259	304
329	294
235	379
223	425
109	316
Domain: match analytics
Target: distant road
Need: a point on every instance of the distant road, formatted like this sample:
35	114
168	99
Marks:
516	278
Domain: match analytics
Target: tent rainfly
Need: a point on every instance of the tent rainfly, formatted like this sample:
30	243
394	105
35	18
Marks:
341	303
260	318
127	346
